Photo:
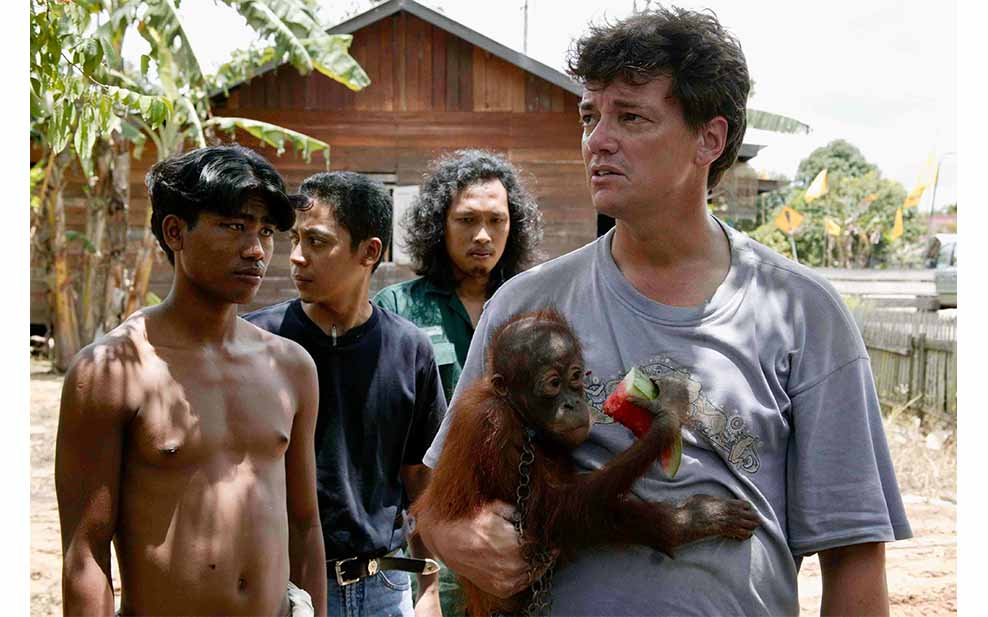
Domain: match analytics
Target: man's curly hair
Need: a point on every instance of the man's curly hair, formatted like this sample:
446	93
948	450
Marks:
704	62
425	221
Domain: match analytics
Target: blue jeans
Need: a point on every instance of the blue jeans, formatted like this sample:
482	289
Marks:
386	594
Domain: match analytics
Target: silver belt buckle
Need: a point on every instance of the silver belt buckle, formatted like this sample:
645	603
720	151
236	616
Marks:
339	573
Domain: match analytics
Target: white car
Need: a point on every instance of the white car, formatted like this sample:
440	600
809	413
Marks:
945	275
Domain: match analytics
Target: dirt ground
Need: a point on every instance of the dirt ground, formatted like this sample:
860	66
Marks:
922	571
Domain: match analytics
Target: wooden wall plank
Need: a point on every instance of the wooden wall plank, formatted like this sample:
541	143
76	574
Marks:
386	80
459	74
438	46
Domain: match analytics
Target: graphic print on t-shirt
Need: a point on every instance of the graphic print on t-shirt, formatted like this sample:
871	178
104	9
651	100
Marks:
726	432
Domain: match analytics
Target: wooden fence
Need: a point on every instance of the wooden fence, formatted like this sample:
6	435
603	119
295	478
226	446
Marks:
913	358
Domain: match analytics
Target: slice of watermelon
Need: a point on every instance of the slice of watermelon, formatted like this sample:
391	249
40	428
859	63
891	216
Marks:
619	406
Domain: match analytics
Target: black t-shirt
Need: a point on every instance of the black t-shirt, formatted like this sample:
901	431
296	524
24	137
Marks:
380	405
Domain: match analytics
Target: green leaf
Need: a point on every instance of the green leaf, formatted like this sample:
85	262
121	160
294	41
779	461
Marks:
145	64
297	32
151	299
273	135
267	22
92	54
84	138
193	119
58	128
333	60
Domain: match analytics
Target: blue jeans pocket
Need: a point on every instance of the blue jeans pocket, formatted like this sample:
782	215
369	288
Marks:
396	579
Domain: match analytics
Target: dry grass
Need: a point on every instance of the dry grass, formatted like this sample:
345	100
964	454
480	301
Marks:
924	456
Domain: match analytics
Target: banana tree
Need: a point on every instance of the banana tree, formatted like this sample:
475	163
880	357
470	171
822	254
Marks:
88	101
75	104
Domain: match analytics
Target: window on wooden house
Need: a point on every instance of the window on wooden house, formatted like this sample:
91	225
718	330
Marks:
402	197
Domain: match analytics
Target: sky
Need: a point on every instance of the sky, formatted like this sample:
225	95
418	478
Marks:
881	74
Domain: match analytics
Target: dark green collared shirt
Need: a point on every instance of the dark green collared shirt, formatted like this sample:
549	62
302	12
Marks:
441	315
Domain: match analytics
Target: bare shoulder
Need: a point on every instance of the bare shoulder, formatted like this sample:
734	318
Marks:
108	374
295	361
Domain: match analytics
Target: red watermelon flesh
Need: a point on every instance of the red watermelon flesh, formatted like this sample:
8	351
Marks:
619	406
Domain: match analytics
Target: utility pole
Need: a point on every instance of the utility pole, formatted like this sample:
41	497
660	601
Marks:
524	39
936	181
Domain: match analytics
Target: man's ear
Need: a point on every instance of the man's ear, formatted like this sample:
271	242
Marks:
173	231
497	382
371	250
711	140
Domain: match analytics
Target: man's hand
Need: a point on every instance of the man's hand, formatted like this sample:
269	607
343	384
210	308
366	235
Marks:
483	549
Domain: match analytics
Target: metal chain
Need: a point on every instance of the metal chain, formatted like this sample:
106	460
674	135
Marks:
539	558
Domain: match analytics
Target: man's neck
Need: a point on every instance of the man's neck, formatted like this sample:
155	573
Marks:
472	288
676	256
341	314
189	317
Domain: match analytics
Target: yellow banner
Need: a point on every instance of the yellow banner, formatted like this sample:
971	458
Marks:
913	198
928	177
897	229
788	220
832	227
818	188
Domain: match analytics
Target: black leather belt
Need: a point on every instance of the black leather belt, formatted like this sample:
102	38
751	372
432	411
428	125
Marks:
352	569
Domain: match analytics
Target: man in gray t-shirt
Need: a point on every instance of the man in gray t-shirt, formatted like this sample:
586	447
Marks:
783	409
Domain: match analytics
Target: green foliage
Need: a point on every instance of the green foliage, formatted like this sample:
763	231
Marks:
300	39
74	97
770	235
864	208
82	91
838	157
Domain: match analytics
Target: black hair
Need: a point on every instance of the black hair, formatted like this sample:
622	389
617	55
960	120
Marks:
359	204
216	179
425	221
704	62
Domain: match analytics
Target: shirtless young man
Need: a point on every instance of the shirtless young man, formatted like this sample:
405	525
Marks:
186	434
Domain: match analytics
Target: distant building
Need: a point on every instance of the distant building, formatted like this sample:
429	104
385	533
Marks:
943	222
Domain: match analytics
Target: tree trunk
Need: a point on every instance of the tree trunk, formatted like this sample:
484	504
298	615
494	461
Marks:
116	234
142	268
60	292
94	265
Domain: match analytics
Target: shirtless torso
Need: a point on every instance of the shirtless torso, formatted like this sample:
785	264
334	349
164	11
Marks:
181	453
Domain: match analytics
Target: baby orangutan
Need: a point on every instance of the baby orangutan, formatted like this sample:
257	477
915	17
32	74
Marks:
530	406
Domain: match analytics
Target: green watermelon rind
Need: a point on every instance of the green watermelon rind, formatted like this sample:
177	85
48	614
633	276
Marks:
675	458
637	383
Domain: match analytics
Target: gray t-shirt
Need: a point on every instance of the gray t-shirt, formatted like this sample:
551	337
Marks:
784	414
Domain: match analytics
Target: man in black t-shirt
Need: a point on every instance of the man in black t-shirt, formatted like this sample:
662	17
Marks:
380	397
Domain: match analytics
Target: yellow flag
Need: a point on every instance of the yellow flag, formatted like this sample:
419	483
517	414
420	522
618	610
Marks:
788	220
914	196
832	227
818	188
928	177
897	228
